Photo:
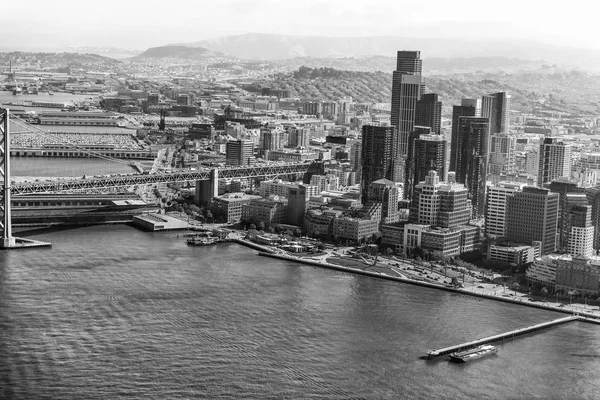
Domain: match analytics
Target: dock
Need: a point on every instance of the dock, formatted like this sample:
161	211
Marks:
501	336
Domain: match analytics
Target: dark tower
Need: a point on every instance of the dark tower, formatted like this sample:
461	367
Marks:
496	107
377	155
407	88
468	108
429	113
161	124
471	158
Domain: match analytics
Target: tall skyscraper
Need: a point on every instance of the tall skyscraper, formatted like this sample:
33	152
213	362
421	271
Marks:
554	160
429	113
467	108
407	88
496	107
239	152
471	158
495	207
532	215
377	155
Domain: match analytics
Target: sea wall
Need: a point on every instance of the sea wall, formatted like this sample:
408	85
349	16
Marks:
460	291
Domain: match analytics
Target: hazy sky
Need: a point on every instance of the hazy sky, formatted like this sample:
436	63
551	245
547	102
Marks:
136	24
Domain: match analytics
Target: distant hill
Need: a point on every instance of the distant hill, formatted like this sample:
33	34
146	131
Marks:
75	60
431	65
279	47
546	88
181	52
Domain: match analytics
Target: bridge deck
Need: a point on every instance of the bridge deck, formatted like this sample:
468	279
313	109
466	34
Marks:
495	338
176	176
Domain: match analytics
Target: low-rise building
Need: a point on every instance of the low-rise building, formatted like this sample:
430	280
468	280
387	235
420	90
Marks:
354	229
543	271
403	237
320	222
513	253
269	211
230	205
579	274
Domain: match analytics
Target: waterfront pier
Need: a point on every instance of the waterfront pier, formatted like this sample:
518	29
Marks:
495	338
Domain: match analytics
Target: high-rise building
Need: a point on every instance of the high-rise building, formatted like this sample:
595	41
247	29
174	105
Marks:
407	88
440	204
471	150
569	195
429	113
271	138
467	108
554	160
496	107
502	154
581	232
426	153
298	136
239	152
593	196
532	216
312	108
377	155
495	207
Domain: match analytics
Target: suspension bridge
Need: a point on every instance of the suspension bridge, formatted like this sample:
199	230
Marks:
98	184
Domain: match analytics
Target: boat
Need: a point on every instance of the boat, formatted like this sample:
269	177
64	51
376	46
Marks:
473	354
202	241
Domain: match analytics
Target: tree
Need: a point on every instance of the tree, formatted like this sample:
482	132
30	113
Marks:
389	251
252	227
261	226
297	232
515	286
271	229
545	292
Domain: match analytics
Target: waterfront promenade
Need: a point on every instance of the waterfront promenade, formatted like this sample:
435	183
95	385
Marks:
403	271
488	292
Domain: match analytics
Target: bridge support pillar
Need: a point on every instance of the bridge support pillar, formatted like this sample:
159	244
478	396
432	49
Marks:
7	241
207	189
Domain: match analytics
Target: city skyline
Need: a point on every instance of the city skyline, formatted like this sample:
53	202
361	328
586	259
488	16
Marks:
138	25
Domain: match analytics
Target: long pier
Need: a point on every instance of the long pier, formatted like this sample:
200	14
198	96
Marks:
501	336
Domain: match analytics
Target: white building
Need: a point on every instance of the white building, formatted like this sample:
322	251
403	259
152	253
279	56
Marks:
495	213
581	241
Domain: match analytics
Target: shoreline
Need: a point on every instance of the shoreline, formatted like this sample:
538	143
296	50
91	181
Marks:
460	291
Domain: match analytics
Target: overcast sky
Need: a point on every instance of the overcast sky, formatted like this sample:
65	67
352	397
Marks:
137	24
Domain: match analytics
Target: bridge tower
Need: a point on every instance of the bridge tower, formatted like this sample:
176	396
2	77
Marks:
7	240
